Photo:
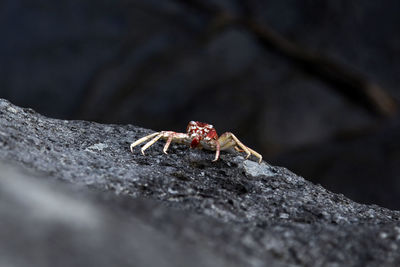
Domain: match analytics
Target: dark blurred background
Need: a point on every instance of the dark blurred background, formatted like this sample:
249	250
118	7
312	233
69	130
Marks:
312	85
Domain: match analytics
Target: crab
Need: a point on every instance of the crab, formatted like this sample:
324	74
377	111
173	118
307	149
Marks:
198	135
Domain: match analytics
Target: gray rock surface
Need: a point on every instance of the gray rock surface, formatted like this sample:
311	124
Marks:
75	195
46	224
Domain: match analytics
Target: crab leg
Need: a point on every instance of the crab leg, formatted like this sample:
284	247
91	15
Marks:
143	139
255	154
230	140
151	142
238	149
241	145
217	150
168	143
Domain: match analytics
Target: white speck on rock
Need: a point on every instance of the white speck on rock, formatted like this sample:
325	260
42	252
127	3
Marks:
171	191
383	235
256	169
13	110
283	215
98	146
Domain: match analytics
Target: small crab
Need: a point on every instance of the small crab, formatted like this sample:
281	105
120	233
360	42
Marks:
198	135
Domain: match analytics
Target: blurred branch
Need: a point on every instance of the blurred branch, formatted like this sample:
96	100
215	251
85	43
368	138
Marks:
345	81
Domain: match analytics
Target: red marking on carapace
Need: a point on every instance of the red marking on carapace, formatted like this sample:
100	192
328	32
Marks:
199	131
198	127
212	134
195	142
201	124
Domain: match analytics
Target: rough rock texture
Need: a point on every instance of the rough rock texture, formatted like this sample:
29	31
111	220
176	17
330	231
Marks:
85	199
46	224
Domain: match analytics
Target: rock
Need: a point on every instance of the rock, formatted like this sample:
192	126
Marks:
73	194
46	224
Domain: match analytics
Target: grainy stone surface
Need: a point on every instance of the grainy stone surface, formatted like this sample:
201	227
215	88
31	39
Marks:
45	224
87	200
